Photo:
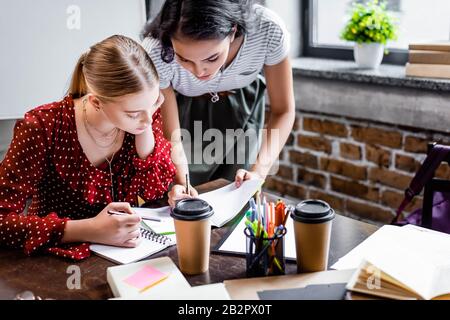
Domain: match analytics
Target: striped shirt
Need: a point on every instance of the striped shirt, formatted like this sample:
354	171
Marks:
265	43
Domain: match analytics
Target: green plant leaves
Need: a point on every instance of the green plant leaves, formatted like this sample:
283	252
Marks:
370	22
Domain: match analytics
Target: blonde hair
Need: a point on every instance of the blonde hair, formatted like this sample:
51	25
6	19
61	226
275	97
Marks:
112	68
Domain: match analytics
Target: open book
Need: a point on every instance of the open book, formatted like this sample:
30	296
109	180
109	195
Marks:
415	264
368	279
151	243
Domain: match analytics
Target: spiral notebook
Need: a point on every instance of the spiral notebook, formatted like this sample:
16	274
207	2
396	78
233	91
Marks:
151	243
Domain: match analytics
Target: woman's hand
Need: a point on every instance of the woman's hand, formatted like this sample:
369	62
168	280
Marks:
178	192
243	175
116	230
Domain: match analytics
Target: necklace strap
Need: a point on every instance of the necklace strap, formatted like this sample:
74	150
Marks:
87	125
93	127
214	95
109	161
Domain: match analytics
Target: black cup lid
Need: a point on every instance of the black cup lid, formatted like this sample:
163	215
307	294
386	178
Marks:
313	211
192	209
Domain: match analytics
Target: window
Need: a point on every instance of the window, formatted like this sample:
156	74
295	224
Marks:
152	7
418	21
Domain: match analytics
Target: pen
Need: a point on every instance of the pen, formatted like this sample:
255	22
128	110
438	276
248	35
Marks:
120	213
279	213
253	209
187	183
154	283
168	233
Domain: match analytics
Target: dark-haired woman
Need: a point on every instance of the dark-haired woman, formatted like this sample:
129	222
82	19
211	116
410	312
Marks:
210	56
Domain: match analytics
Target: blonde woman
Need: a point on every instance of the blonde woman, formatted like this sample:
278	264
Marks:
96	150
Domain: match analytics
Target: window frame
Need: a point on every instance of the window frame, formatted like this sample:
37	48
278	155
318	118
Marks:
395	56
147	9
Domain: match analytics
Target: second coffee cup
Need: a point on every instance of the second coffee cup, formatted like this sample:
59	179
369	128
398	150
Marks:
312	229
193	233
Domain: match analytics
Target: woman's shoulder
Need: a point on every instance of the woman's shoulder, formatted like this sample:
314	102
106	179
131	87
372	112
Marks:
151	44
52	107
46	115
268	34
154	49
165	69
266	20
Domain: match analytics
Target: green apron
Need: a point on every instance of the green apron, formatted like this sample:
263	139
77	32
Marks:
213	151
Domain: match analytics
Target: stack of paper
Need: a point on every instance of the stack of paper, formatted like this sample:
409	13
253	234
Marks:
409	262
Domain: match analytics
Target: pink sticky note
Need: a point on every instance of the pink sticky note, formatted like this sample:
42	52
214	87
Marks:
145	278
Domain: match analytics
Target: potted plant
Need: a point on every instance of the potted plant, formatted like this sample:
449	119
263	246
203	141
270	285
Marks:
370	27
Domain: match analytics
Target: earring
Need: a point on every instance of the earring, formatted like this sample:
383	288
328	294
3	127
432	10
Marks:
84	104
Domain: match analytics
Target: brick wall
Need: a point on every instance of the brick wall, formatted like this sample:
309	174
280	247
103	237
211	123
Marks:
360	168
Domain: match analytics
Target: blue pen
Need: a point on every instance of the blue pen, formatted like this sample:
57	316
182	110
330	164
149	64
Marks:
253	208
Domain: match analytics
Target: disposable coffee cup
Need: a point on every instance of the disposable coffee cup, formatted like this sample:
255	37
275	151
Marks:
193	233
312	229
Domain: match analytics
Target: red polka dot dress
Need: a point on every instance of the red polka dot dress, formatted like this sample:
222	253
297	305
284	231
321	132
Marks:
45	163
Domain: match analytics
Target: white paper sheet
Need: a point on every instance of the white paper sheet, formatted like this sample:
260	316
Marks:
165	226
228	201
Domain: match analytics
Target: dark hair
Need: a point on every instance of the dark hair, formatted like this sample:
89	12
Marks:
198	20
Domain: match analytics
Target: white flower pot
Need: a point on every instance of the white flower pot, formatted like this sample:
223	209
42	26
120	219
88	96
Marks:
368	55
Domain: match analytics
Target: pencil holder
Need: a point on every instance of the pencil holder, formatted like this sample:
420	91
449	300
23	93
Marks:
264	255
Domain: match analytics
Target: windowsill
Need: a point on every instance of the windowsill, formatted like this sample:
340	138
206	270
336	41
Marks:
389	75
338	88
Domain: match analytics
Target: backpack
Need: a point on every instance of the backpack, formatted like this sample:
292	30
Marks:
440	213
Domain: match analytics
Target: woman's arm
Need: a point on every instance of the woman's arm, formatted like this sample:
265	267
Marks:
171	129
145	142
282	115
21	171
153	174
117	230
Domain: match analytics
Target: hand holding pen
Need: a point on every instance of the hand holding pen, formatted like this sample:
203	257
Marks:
181	191
117	224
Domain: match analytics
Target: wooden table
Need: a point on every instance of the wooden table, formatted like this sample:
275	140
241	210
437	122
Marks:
47	276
